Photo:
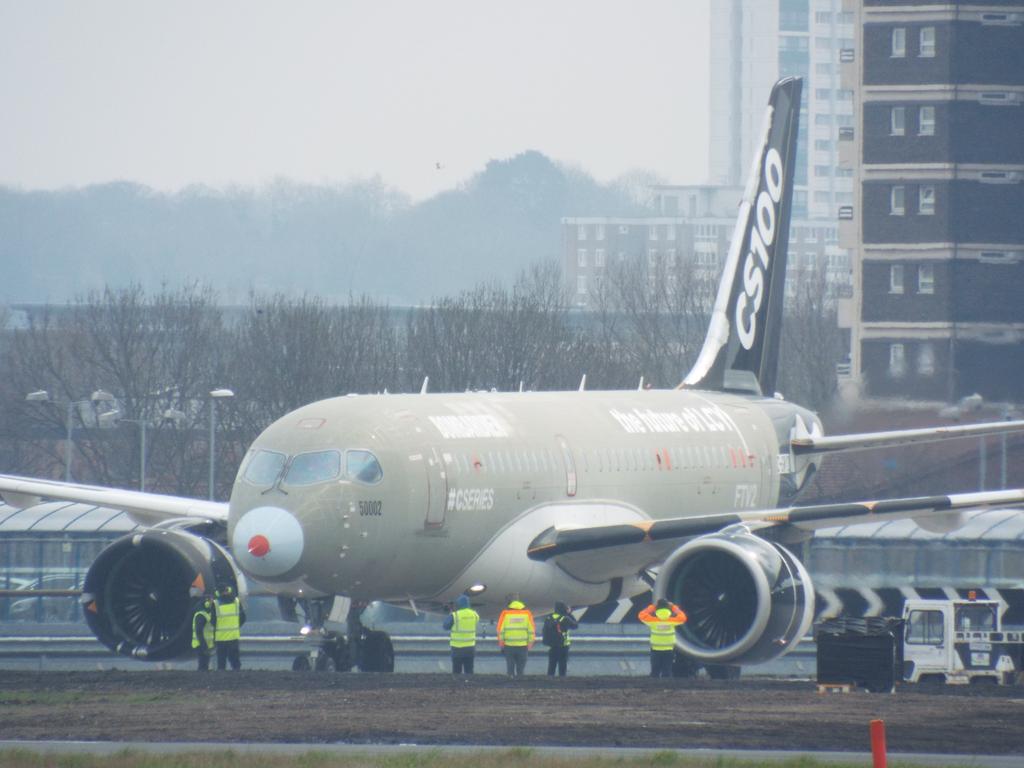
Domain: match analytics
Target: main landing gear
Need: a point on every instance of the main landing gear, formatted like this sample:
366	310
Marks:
687	666
367	649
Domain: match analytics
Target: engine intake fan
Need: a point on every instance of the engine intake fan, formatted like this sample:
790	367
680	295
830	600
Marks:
140	593
747	600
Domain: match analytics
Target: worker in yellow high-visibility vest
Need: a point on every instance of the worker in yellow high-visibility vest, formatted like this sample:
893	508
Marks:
516	634
202	633
227	628
662	619
461	625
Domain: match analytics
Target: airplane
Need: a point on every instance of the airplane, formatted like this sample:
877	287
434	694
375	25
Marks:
578	497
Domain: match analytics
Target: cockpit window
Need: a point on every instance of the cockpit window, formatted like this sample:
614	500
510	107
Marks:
264	468
316	467
363	466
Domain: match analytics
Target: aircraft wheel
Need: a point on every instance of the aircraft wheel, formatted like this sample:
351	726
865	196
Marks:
684	666
378	653
325	663
723	671
301	663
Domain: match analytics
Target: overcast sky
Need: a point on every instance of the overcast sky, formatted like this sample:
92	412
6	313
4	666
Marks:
220	93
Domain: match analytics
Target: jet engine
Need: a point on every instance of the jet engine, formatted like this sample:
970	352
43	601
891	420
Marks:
139	593
747	600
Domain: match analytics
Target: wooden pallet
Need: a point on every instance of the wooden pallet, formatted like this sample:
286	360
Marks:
835	687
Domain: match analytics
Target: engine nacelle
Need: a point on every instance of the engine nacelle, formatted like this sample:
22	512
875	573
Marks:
139	594
747	600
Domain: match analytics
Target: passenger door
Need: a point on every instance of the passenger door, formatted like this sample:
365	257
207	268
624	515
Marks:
437	490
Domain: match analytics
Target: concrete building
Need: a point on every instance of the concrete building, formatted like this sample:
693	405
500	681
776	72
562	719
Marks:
937	217
753	44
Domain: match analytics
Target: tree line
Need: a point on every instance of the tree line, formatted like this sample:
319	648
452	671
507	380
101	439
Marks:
160	354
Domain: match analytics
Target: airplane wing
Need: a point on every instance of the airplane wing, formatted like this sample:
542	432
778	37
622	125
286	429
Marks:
143	508
645	543
804	443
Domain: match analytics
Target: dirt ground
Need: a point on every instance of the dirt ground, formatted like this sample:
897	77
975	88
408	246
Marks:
256	706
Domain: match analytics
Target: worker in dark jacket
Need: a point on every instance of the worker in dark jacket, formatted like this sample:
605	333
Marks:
561	622
227	627
461	625
203	633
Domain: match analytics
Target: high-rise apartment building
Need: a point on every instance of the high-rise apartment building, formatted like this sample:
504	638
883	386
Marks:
938	215
753	44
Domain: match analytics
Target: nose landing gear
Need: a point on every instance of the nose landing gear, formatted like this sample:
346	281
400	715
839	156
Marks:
368	649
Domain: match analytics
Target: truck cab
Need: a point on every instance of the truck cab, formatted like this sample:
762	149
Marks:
958	641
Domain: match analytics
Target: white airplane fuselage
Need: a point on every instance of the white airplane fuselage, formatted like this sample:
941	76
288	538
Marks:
466	481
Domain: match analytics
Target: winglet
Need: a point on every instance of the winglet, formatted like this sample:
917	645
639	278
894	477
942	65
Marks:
423	389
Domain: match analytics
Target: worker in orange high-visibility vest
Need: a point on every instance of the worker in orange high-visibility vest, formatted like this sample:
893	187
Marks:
516	634
662	619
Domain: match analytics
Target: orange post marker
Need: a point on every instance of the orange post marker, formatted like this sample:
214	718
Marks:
878	743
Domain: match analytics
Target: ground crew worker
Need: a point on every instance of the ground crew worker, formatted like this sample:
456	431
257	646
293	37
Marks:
558	654
227	628
202	633
461	624
516	634
662	619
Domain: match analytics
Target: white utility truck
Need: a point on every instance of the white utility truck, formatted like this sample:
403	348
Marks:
959	641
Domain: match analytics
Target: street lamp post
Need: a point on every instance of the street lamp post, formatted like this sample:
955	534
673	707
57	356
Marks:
42	396
142	450
215	395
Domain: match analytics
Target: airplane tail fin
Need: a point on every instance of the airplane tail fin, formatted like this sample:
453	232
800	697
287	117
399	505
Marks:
746	322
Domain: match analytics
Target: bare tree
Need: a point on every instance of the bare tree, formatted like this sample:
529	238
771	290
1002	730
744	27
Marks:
652	314
152	354
812	342
286	352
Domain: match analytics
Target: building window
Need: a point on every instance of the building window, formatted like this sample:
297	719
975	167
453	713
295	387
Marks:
599	232
822	119
896	278
581	257
822	170
926	200
670	232
670	258
652	232
897	361
822	145
581	232
599	257
926	121
927	39
823	68
899	42
822	93
926	360
581	284
897	121
652	257
896	200
623	229
926	278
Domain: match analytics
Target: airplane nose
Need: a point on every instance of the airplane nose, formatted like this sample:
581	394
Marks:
267	542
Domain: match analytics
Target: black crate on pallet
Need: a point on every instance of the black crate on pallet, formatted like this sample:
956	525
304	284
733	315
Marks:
864	651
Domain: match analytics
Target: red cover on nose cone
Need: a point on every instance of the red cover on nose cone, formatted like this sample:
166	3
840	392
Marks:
259	546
